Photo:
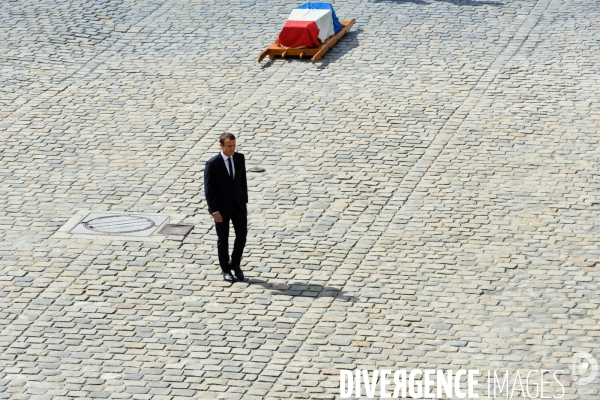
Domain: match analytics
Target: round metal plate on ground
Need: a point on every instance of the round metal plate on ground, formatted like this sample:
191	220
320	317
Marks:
119	224
256	169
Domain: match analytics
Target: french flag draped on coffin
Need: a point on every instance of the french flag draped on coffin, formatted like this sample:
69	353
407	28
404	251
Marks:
309	25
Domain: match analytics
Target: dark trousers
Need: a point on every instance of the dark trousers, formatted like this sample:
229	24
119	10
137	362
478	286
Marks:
239	218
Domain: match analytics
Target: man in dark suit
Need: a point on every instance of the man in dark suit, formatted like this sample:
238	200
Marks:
226	191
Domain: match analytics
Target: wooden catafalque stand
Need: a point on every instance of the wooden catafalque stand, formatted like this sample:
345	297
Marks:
316	52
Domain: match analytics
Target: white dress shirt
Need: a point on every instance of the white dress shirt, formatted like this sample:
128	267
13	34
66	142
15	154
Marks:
227	164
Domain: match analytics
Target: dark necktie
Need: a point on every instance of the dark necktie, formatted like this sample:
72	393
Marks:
230	168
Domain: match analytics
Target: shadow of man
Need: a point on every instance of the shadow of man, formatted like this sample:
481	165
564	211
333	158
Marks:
304	290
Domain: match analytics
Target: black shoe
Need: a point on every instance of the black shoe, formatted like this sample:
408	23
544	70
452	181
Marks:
227	277
238	273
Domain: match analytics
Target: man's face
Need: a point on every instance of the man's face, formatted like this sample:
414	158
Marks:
228	147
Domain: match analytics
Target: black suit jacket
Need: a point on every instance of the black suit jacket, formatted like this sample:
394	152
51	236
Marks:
221	193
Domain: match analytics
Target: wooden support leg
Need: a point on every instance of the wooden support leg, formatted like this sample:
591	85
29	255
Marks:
263	55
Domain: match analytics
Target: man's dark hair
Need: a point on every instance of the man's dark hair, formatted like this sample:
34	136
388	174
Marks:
224	136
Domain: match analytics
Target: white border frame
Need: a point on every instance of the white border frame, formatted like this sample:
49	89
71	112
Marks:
63	231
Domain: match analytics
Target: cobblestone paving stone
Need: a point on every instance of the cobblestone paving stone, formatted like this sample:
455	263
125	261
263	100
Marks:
430	200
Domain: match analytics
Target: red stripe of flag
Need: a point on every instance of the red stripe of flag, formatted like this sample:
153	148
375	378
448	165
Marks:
299	34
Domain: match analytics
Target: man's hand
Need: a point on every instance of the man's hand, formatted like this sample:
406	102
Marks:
218	217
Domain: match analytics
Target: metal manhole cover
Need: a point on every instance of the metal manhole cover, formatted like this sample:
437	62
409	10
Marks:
176	229
119	224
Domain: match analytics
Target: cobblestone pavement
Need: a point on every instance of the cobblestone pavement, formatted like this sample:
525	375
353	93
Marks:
430	200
